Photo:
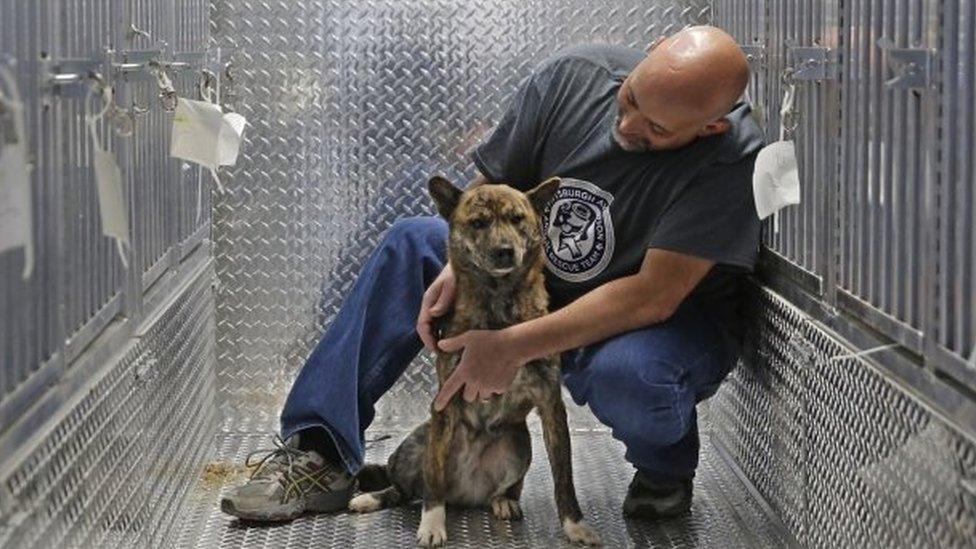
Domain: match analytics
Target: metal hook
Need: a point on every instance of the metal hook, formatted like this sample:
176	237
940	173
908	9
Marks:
786	77
790	122
123	121
167	93
136	31
207	84
789	115
138	110
100	86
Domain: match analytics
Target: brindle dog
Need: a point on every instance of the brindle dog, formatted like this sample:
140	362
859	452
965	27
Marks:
474	454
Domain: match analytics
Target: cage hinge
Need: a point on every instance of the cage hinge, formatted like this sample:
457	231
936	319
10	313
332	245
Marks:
70	77
911	68
755	55
812	63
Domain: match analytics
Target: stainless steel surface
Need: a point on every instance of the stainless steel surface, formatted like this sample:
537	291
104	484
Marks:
90	275
106	375
113	470
954	295
79	288
785	31
110	380
884	236
30	330
883	180
792	26
351	106
844	455
723	514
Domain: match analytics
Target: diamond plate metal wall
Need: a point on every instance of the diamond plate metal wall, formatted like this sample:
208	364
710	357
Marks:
351	106
846	457
112	473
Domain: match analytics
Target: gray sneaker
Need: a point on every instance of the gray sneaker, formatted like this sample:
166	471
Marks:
288	482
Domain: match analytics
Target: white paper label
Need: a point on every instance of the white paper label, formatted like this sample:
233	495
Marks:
196	130
203	134
775	180
111	202
15	203
229	143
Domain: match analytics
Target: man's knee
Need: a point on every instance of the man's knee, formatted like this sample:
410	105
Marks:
639	398
429	230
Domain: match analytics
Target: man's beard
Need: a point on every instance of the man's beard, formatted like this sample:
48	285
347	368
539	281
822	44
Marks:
624	144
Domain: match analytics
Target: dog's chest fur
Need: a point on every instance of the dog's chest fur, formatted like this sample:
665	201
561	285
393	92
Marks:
486	304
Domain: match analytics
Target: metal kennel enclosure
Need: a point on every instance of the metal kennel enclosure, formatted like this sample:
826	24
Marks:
130	393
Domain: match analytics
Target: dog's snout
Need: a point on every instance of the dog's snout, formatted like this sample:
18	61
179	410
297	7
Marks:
503	256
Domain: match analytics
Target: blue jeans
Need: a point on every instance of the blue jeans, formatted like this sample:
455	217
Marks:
643	384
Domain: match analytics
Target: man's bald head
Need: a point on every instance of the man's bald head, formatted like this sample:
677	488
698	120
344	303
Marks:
681	90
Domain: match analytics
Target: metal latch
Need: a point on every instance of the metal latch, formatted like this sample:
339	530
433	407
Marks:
70	77
135	64
912	67
755	55
184	61
812	63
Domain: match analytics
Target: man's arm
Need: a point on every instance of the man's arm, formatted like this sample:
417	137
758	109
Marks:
648	297
492	358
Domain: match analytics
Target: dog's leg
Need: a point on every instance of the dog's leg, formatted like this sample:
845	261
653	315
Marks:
433	528
515	491
506	507
555	432
374	501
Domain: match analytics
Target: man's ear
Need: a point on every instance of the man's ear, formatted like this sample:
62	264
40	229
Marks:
715	127
543	193
446	196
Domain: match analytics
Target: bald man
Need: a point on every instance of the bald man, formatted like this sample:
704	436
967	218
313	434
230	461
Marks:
648	241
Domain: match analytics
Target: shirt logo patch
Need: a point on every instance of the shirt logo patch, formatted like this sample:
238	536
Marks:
579	231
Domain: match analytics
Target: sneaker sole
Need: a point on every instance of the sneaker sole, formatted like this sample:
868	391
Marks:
324	503
331	502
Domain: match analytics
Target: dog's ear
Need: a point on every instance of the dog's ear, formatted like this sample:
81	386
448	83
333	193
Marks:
446	196
543	193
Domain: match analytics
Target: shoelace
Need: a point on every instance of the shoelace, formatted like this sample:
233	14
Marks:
294	475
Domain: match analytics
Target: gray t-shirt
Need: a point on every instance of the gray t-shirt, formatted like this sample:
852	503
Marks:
613	204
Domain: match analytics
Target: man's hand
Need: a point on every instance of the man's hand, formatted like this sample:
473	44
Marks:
488	366
437	300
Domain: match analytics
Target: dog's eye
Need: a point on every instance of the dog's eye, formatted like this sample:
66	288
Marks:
479	223
517	218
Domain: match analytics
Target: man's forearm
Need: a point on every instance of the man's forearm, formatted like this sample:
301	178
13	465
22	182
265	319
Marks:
615	307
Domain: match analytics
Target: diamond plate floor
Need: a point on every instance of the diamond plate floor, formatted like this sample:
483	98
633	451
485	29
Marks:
723	514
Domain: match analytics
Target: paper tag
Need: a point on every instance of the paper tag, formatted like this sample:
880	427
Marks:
196	130
203	134
15	186
111	202
229	142
775	180
15	204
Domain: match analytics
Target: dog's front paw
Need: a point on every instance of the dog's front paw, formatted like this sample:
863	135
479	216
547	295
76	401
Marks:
364	503
432	531
577	532
506	509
